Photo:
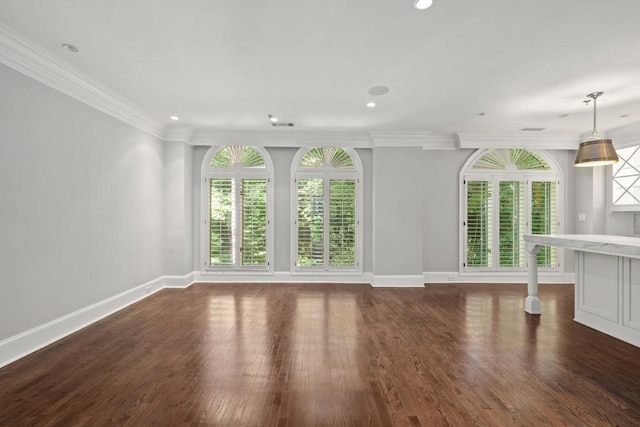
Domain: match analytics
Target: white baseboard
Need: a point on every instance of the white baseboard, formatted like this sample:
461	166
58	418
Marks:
280	277
22	344
179	282
386	281
396	281
519	277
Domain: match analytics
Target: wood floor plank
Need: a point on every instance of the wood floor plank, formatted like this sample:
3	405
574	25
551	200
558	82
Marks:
330	355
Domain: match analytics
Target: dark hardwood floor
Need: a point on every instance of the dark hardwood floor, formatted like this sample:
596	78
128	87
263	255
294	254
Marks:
306	355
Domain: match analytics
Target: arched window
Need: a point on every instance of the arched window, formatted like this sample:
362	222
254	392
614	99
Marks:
505	194
237	208
327	210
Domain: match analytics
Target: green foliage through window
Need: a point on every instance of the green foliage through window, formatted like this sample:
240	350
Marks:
253	199
512	222
221	221
310	222
238	233
479	224
326	222
334	157
544	218
342	222
520	158
233	155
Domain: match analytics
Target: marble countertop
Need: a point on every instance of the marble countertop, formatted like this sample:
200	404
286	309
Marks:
597	243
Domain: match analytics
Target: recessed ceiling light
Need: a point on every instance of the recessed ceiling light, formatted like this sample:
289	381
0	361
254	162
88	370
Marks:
273	119
563	115
378	90
371	104
174	118
481	114
624	115
70	48
422	4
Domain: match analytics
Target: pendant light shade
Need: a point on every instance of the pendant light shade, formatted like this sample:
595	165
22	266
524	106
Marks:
595	151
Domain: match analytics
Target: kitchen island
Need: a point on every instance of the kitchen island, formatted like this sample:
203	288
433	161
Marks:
607	276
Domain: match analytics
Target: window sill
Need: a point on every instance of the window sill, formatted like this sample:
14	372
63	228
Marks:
212	272
326	273
626	208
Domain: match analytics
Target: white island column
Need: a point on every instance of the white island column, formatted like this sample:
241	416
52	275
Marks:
532	303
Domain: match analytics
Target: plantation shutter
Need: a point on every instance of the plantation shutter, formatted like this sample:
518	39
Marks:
342	222
512	224
221	221
544	218
479	227
310	222
253	201
508	193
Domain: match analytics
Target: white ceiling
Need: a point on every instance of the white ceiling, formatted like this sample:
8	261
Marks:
226	64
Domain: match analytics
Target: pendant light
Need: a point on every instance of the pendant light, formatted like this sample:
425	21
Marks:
595	151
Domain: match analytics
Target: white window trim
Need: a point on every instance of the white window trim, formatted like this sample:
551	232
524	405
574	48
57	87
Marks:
530	175
207	173
325	173
609	185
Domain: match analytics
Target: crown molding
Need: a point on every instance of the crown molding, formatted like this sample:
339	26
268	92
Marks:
319	138
426	140
625	136
32	60
182	134
546	142
282	138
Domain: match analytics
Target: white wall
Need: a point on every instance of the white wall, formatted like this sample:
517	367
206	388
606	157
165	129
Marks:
397	211
564	159
590	200
196	188
282	158
441	237
621	223
590	190
366	157
178	208
81	214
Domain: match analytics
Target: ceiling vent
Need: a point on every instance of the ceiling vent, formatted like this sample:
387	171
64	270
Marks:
286	125
532	129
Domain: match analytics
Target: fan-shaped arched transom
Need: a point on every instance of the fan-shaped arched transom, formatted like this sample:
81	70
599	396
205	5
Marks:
510	158
237	156
327	158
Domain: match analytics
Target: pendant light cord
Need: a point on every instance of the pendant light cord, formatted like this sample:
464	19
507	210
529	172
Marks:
594	96
595	132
